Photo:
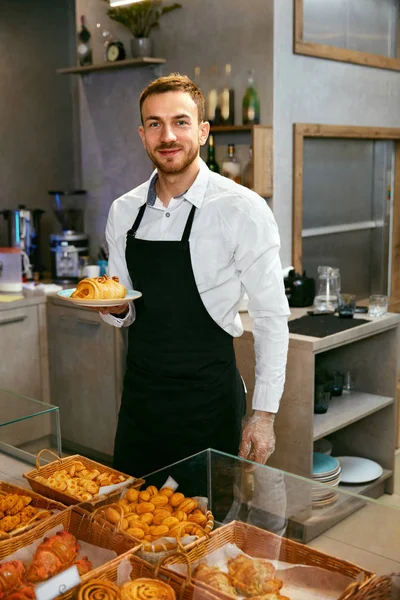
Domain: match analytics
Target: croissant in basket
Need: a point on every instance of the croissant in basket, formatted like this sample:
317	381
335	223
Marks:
54	555
12	576
252	576
215	577
99	288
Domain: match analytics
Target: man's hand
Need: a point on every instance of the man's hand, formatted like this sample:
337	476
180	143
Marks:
258	437
118	311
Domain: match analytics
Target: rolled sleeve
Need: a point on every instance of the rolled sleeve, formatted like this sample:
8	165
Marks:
117	267
257	259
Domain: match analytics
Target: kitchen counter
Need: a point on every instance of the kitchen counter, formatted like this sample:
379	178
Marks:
28	300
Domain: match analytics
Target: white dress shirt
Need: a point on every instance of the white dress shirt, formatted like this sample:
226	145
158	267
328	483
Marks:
234	246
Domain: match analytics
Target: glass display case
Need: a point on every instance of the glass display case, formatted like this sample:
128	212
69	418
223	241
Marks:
27	426
348	526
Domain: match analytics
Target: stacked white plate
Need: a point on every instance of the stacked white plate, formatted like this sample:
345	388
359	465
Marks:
326	470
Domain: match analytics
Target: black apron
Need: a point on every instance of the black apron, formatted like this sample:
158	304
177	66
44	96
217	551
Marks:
182	391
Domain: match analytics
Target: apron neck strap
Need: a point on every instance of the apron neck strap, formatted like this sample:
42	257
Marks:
189	223
186	234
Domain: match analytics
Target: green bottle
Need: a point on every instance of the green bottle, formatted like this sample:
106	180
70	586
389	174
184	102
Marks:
211	162
251	103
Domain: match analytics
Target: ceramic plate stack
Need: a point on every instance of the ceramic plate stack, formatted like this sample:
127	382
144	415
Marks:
326	470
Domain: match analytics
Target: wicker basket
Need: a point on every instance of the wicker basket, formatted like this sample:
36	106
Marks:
77	522
66	463
155	551
184	589
376	588
38	502
263	544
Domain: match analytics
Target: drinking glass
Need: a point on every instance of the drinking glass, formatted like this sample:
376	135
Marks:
321	401
347	306
349	381
378	305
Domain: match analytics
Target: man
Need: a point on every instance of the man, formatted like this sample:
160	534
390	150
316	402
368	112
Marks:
192	242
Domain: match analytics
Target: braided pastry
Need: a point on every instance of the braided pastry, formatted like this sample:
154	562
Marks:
99	288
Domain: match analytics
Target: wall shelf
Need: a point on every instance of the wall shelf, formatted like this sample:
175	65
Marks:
348	409
260	137
120	64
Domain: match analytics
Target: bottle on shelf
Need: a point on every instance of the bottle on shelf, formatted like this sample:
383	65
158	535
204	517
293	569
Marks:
227	99
231	167
84	48
213	108
211	162
251	103
248	178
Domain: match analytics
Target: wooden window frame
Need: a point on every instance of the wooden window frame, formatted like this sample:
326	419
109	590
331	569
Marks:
301	131
366	59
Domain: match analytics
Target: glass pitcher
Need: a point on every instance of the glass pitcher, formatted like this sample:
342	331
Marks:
328	289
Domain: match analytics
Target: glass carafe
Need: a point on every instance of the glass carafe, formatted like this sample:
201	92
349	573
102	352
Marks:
328	289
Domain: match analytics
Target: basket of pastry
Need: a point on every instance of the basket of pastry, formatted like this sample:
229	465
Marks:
69	539
161	520
244	562
131	578
77	479
21	509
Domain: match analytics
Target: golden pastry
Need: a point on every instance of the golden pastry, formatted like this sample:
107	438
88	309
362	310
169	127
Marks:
198	517
146	589
176	499
188	505
136	532
144	496
159	515
145	507
159	501
132	495
214	577
99	288
98	589
180	515
147	518
152	490
252	576
158	530
170	522
113	515
166	491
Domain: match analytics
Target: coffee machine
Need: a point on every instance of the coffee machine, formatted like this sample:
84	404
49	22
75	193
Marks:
21	229
70	245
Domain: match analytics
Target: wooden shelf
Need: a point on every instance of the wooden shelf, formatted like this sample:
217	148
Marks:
309	524
347	409
120	64
228	128
260	137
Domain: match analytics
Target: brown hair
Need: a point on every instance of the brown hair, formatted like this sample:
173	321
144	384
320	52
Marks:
174	83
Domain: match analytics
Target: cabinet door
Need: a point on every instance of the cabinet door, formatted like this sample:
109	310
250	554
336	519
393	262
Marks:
20	351
83	376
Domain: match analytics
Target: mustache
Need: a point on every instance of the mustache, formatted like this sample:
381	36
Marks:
168	147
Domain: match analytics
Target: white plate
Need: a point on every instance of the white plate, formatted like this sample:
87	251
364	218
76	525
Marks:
358	470
130	296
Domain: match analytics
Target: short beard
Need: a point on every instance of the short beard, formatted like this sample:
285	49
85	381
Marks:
174	170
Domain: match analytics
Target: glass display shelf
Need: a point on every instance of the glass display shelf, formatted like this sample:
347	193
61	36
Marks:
27	426
341	524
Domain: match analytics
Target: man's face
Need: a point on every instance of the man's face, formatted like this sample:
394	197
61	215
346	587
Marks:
171	133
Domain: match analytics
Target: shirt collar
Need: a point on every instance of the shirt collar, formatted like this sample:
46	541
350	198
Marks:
195	194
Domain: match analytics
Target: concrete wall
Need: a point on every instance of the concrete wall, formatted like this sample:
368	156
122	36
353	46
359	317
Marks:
312	90
202	33
36	106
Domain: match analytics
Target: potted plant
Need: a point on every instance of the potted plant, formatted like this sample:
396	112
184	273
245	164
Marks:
140	18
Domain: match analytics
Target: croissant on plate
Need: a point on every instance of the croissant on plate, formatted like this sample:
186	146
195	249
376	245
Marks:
99	288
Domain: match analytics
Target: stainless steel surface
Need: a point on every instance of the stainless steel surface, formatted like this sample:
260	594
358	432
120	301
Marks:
346	211
363	25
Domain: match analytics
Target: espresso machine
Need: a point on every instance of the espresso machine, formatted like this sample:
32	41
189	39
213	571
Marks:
70	245
21	229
